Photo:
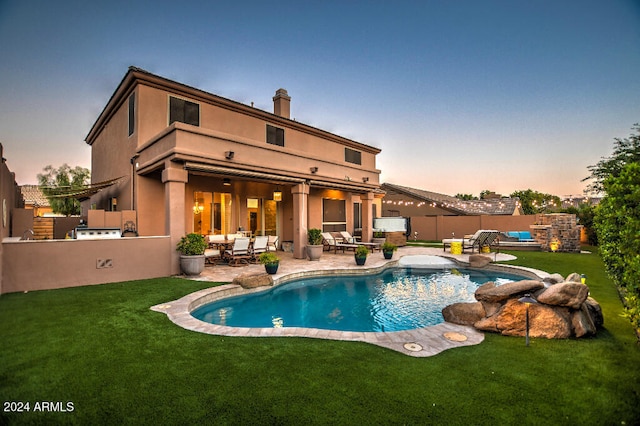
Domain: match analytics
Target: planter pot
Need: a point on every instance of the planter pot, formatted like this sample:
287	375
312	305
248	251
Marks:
387	254
379	240
271	268
314	252
360	260
192	265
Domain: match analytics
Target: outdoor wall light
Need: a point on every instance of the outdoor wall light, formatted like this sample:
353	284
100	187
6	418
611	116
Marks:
226	182
229	155
277	195
527	299
313	169
365	179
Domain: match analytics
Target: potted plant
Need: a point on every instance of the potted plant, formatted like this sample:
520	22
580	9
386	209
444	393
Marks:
270	261
388	249
315	247
361	255
191	248
378	237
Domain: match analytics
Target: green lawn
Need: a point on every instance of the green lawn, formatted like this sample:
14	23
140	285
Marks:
101	348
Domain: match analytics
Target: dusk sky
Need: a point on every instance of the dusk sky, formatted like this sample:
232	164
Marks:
461	96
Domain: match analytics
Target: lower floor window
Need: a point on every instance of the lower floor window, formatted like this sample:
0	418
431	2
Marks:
334	215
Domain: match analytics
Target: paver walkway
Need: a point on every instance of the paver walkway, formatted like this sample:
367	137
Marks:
421	342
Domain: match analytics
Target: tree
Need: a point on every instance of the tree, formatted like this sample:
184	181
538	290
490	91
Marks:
55	182
625	151
617	222
533	202
585	214
485	193
465	197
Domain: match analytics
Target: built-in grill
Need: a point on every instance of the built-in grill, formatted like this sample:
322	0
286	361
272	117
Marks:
98	233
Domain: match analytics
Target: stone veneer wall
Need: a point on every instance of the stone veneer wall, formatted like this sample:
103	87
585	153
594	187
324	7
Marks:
560	227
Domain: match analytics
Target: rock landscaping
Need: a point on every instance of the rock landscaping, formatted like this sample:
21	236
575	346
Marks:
253	280
564	309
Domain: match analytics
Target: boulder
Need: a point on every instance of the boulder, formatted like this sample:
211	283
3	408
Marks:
568	294
554	279
464	313
486	286
479	261
582	323
574	278
544	321
253	280
487	324
595	311
491	308
505	291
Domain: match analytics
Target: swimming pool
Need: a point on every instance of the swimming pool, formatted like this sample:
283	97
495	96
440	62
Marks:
393	300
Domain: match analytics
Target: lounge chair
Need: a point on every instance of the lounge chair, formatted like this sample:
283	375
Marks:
272	243
481	238
239	254
330	242
352	240
522	236
259	246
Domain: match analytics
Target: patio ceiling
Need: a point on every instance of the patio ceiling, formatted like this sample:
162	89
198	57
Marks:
277	178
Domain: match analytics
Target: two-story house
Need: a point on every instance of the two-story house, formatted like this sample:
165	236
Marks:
192	161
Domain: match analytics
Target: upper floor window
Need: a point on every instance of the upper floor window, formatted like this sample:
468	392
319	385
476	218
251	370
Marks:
275	135
183	111
132	113
352	156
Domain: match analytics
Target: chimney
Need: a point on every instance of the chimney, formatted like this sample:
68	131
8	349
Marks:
282	104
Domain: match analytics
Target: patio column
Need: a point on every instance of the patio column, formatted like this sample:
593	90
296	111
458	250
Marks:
367	216
300	214
174	180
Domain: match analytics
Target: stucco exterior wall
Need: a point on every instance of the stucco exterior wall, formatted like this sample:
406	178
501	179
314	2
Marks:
8	201
111	154
434	228
41	265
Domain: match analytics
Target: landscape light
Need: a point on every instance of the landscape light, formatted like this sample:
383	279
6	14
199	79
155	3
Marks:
527	299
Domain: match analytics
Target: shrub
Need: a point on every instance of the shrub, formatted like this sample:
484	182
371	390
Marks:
192	245
268	258
386	246
362	251
314	235
617	222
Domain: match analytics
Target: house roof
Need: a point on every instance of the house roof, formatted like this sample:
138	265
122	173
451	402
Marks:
498	206
33	195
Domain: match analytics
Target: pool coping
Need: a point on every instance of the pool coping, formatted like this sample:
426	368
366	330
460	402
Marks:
419	342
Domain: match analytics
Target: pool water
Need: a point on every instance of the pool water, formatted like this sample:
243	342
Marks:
394	300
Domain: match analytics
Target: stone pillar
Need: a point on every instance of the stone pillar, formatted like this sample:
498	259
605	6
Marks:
174	179
300	218
367	216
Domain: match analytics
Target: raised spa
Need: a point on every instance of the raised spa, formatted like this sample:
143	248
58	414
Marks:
394	300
